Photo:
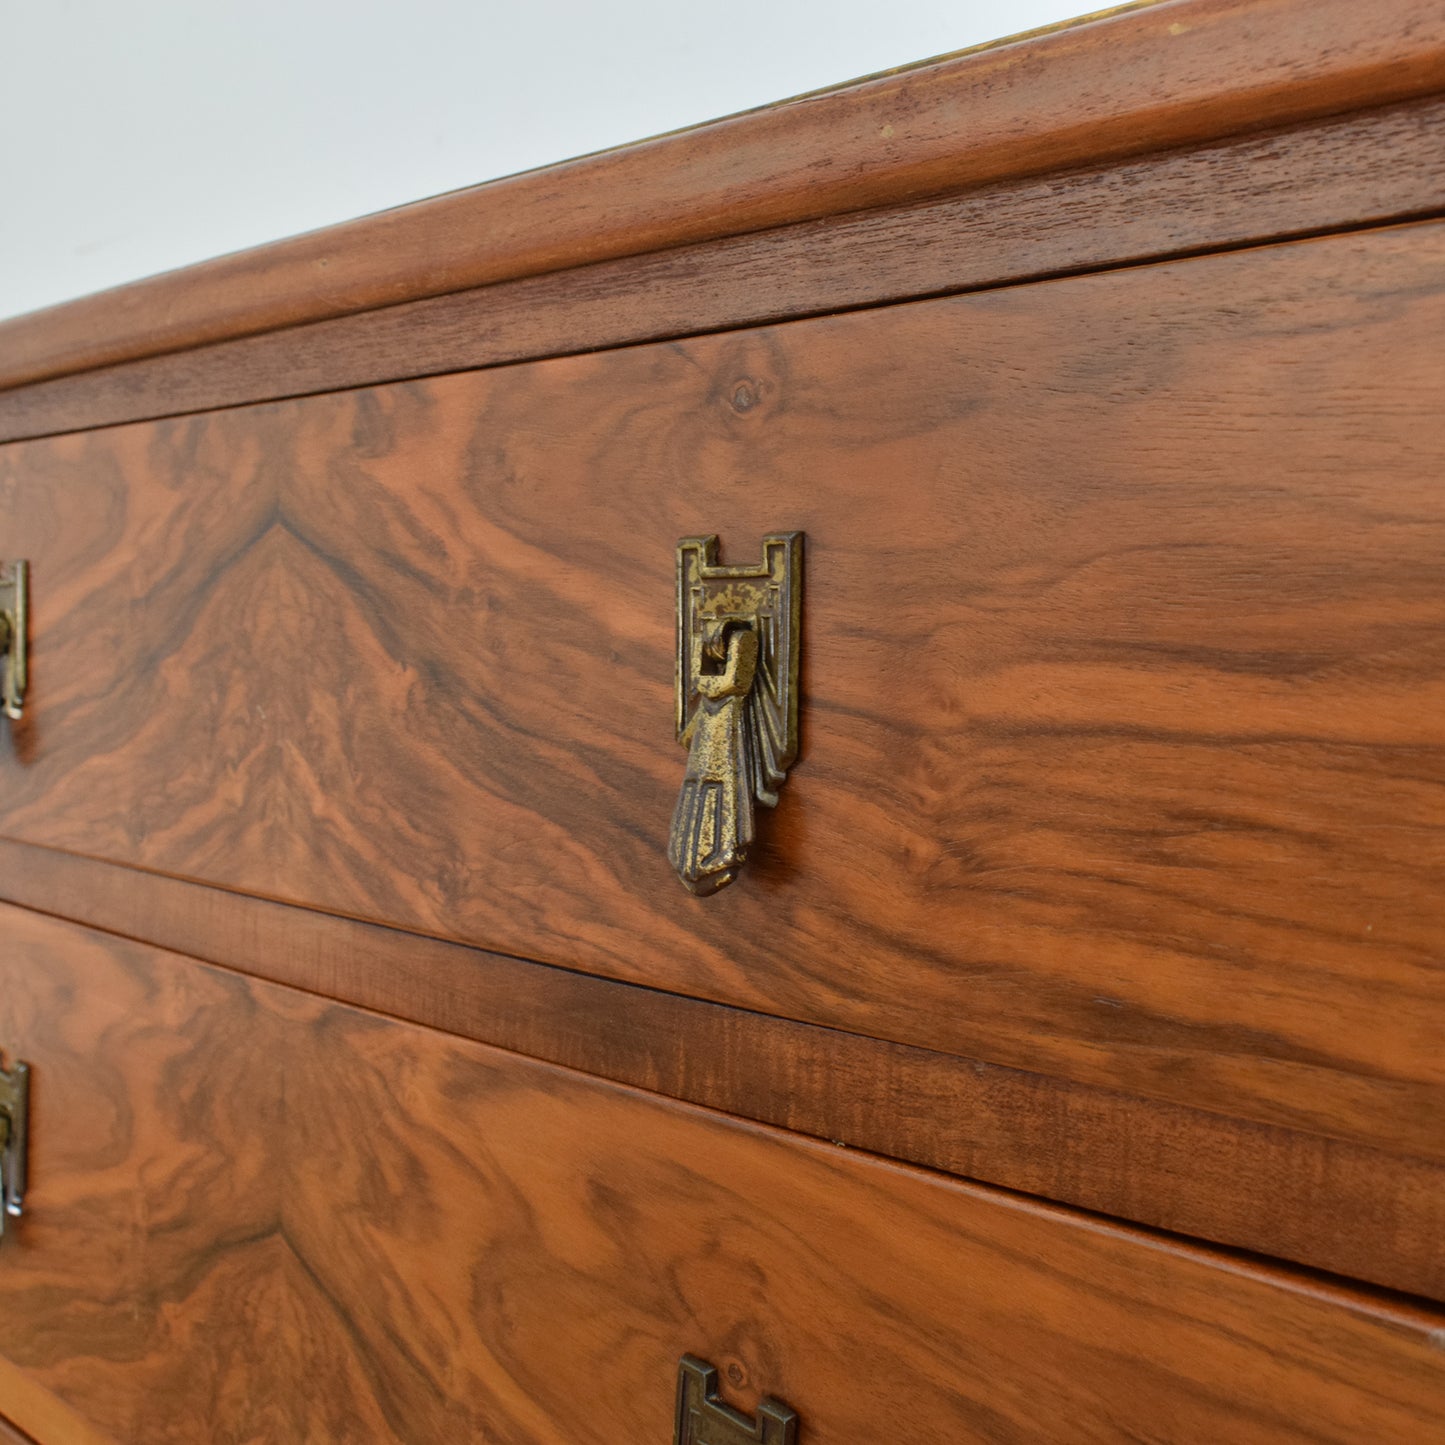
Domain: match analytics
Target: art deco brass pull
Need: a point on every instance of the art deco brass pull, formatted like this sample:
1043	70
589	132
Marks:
703	1419
14	1129
739	636
14	633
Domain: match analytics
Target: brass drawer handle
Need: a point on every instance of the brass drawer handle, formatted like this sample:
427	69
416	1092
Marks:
14	631
703	1419
14	1139
739	637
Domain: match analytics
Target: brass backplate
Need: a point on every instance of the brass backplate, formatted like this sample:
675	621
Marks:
14	1139
703	1419
739	650
14	635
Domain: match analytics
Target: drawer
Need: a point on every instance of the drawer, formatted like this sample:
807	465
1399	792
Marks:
258	1215
1122	684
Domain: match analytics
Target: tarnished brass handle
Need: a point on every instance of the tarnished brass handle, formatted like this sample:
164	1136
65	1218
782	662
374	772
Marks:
14	633
14	1140
704	1419
739	639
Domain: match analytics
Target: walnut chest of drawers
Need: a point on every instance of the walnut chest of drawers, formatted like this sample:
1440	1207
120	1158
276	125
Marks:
1066	1059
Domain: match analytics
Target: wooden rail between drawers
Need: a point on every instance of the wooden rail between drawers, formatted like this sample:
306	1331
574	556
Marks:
1300	1196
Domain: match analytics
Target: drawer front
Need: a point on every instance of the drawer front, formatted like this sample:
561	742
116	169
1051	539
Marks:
1122	683
257	1215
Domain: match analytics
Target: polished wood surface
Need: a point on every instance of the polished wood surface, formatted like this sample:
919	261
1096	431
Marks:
1121	755
1346	172
138	1291
1341	1207
1171	74
258	1216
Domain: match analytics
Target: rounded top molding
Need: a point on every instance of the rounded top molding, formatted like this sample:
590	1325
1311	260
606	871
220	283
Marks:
1119	84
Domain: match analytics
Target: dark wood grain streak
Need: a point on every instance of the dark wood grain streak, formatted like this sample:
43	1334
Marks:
1357	1212
258	1216
1181	72
1122	755
1379	166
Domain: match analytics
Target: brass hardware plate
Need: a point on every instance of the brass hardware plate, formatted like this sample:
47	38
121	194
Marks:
14	635
703	1419
14	1139
739	647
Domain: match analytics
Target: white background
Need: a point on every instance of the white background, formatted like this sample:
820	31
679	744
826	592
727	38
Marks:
140	135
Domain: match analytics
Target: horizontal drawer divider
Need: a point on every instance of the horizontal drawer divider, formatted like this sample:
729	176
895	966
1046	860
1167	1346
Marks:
1273	1191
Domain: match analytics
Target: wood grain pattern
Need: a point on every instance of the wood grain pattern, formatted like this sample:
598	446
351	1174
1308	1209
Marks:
1355	1211
138	1290
1180	72
262	1217
1361	169
149	1290
1122	759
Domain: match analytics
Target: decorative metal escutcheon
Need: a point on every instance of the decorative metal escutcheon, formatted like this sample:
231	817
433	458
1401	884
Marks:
739	640
14	633
703	1419
14	1130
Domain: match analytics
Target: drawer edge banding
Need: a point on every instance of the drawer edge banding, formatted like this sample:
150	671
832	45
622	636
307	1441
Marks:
1157	1163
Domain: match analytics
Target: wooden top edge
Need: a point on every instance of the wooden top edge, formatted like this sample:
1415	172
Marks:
1141	79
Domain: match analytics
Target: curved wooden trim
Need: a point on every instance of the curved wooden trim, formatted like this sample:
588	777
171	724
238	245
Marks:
1179	72
1368	168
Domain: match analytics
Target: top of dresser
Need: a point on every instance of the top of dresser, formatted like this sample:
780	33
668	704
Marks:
1127	82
